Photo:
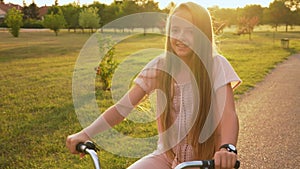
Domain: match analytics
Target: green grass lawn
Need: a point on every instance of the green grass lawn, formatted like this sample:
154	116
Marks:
254	59
36	107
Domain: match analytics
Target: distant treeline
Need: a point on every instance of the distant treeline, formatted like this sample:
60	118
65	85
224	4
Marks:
279	12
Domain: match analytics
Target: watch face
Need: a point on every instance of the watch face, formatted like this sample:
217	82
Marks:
232	147
229	147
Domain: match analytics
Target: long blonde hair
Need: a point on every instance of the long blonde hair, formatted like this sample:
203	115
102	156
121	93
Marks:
199	68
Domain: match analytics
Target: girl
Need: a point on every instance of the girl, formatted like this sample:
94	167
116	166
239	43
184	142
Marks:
196	115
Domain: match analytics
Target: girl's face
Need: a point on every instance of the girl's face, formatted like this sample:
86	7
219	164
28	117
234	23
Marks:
181	34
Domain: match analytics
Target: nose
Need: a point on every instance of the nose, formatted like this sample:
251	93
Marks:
181	36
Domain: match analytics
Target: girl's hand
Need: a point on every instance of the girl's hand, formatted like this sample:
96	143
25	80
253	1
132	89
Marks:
74	139
224	159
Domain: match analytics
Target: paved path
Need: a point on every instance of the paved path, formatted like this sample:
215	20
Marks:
270	120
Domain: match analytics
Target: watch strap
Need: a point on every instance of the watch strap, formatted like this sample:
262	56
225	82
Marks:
229	147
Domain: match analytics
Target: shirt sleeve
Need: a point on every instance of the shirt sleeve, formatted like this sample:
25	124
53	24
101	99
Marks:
146	79
223	73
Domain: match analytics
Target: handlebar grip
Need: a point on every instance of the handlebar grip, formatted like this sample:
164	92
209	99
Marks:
81	147
91	145
236	166
89	148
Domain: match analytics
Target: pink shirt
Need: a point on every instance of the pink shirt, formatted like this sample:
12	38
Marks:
182	113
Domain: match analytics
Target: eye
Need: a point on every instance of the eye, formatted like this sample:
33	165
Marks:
189	31
174	31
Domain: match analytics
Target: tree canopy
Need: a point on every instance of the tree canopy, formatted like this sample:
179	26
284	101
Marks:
278	13
13	20
89	18
55	21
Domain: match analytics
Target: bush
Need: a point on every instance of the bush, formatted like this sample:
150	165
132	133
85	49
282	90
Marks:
3	25
106	69
31	23
108	65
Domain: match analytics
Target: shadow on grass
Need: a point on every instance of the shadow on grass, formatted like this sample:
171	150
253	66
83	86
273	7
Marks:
37	135
37	51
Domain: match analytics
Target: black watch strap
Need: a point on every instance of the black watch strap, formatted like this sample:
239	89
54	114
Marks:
229	147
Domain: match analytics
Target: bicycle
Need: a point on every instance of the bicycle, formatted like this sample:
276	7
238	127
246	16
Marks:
90	148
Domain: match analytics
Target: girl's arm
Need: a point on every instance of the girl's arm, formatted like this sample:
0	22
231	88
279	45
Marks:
112	116
228	128
227	131
116	113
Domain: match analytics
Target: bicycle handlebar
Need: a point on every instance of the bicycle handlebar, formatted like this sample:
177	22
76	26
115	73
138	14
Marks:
203	164
89	148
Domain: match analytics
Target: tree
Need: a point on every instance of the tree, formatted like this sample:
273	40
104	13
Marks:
147	20
297	21
293	4
294	14
55	21
150	6
54	9
71	15
246	25
169	7
251	11
144	20
129	7
278	13
31	11
272	15
218	26
223	16
111	13
100	10
13	20
88	18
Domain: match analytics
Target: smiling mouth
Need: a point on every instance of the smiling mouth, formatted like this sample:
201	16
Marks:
181	45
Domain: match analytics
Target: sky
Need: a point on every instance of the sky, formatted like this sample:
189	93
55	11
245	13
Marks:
162	3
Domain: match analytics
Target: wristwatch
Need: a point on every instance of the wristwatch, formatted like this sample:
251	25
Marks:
229	147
